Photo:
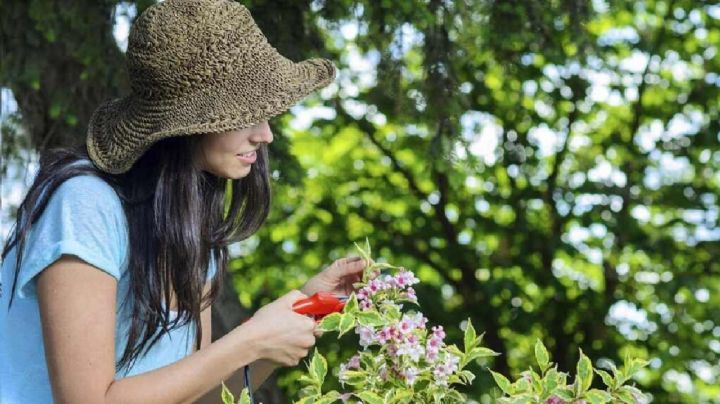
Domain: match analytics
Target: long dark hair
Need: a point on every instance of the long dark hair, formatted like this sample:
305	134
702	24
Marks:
177	216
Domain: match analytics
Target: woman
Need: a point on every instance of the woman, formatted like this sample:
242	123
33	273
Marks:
123	243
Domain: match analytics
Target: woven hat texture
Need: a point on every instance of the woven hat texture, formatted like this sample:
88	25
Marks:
196	66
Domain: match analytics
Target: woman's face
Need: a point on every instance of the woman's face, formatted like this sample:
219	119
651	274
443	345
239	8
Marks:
231	154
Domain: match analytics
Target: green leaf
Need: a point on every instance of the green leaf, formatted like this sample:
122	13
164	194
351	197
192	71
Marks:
398	396
564	393
584	374
351	306
632	367
502	382
391	312
551	380
347	322
305	379
71	120
244	396
401	396
50	35
467	376
537	381
310	391
453	349
470	336
479	352
596	396
329	397
370	397
318	367
522	385
522	399
627	394
354	378
541	355
369	318
454	396
226	395
606	378
364	252
624	397
55	110
331	322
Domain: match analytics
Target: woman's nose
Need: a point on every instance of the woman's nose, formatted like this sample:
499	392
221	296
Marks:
262	133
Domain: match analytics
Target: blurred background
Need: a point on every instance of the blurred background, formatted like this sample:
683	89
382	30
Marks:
549	169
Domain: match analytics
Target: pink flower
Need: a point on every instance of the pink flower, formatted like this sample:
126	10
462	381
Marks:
354	362
374	286
419	320
406	325
412	351
406	278
439	332
392	350
441	373
365	304
384	335
394	333
452	361
383	372
389	281
410	375
554	400
410	294
367	335
342	375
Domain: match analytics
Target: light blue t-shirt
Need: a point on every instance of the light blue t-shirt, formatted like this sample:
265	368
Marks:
83	217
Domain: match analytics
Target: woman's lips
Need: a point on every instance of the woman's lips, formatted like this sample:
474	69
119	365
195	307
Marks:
248	158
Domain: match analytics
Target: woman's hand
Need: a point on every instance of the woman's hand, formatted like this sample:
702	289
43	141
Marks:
286	336
337	278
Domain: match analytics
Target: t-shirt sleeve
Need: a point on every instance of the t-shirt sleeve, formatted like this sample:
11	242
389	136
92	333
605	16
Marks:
84	218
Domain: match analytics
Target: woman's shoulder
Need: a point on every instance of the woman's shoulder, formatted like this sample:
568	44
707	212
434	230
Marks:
87	187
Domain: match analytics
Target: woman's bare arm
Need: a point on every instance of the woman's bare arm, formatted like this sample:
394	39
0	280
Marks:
260	369
77	307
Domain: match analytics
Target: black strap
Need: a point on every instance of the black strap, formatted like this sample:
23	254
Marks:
247	384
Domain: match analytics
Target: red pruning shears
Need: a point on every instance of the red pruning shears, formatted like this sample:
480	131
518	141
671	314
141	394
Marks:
320	304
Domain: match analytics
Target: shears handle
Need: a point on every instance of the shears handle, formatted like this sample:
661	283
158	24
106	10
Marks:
319	305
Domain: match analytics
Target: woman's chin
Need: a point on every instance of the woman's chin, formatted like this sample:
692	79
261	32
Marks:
235	174
240	173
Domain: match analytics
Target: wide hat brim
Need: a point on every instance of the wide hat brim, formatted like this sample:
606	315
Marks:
121	130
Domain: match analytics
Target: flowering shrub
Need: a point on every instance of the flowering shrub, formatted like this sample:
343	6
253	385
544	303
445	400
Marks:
549	386
402	359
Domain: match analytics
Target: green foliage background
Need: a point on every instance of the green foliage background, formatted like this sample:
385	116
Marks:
541	165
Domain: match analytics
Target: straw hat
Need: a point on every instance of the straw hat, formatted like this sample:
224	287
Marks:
196	66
